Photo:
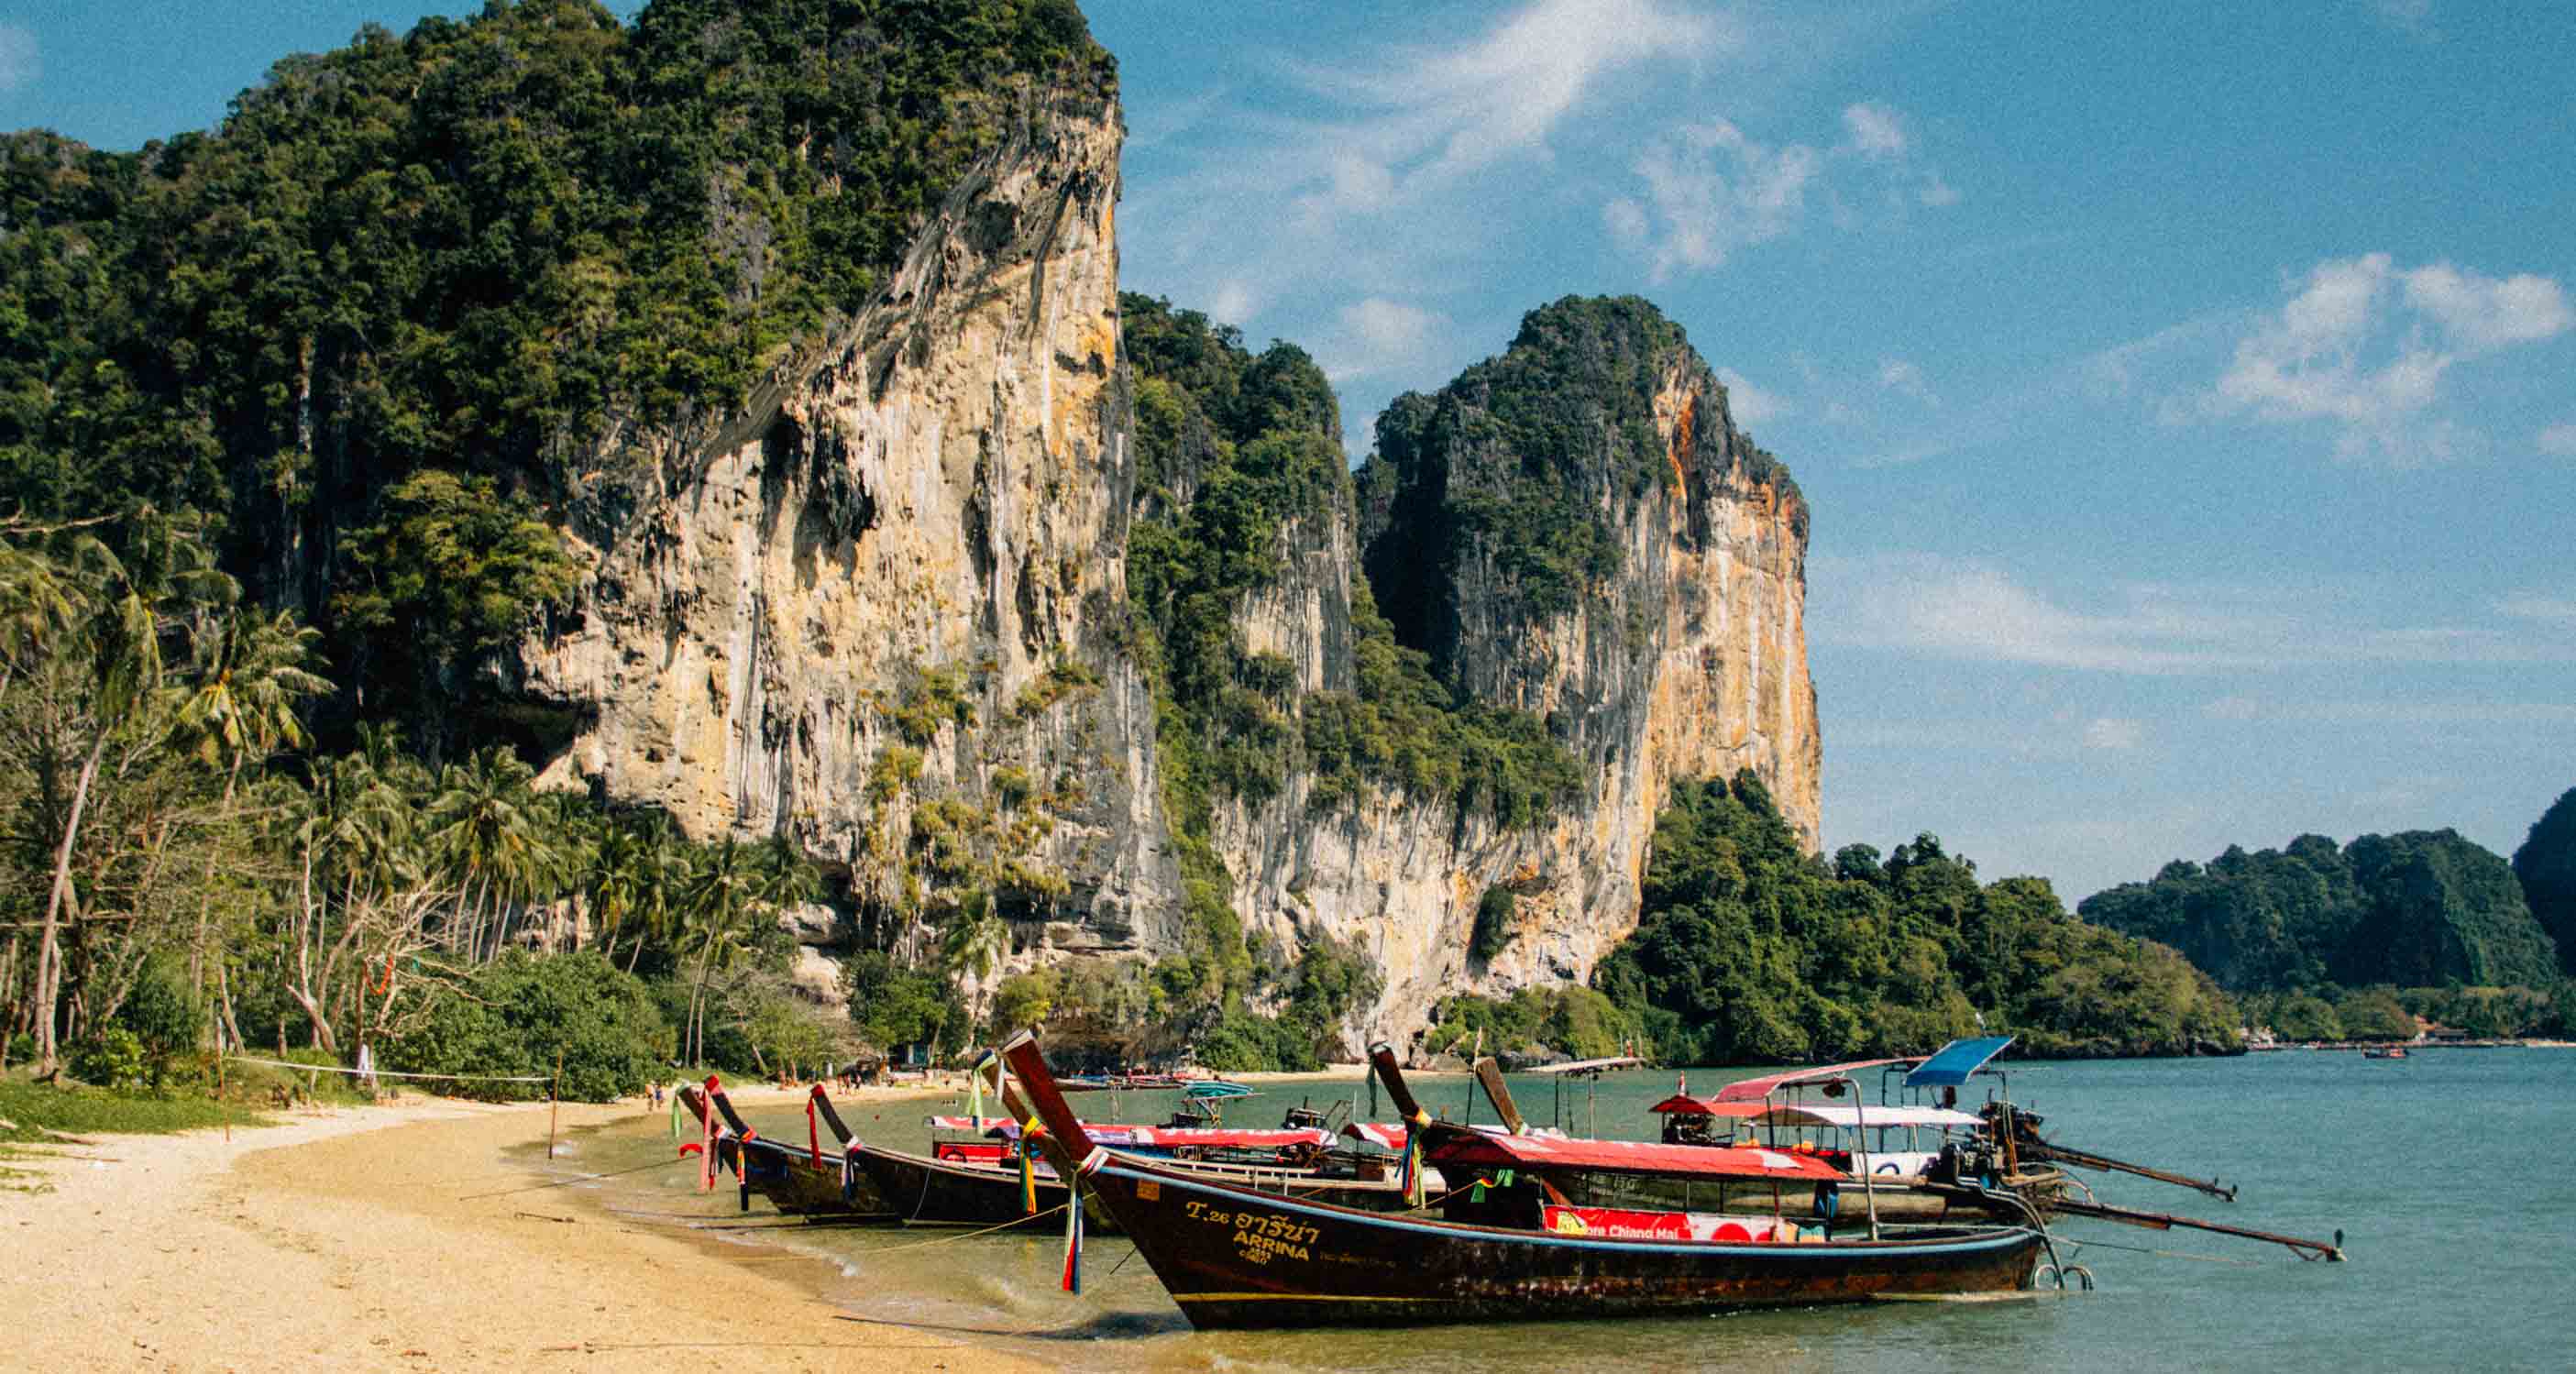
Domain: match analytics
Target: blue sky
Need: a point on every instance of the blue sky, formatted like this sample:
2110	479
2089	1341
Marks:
2186	395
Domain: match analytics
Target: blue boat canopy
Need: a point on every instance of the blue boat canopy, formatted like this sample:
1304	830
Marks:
1951	1066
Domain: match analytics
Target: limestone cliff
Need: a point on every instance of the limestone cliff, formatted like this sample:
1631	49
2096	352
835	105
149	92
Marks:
1671	645
883	608
878	608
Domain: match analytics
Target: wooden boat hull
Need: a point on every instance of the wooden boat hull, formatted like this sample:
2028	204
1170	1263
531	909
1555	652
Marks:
1237	1258
796	1185
934	1192
938	1192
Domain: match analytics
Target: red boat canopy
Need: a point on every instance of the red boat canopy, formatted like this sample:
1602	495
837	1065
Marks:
1476	1149
1274	1138
1683	1104
1153	1137
1755	1089
1383	1134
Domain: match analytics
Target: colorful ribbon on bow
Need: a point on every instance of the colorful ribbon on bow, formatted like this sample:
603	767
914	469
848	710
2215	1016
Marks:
1028	1168
1413	1158
1073	1234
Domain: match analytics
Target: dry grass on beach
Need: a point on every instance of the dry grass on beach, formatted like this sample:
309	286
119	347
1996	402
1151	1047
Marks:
391	1238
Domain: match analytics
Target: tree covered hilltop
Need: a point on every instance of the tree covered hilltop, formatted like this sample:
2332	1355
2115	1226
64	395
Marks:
391	317
2357	941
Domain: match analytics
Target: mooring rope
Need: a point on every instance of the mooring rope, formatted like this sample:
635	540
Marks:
389	1073
964	1235
566	1182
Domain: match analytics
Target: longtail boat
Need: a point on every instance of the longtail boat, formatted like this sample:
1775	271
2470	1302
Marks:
807	1181
926	1191
977	1184
1511	1244
1898	1157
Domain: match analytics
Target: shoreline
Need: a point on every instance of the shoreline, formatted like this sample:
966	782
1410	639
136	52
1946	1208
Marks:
416	1236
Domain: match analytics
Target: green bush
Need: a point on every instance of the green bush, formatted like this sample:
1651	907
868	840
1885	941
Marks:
112	1059
1245	1043
894	1006
1493	924
164	1014
764	1030
1023	999
1577	1022
514	1016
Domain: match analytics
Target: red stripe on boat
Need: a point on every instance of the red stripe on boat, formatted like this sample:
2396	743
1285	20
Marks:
1478	1150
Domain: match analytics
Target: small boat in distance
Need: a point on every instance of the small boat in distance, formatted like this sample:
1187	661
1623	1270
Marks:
2385	1052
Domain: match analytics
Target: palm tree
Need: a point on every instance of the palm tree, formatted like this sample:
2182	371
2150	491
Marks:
252	676
112	682
975	944
721	888
482	829
616	881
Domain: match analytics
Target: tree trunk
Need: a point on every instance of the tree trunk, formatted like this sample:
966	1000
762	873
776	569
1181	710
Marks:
48	953
323	1039
229	1027
206	892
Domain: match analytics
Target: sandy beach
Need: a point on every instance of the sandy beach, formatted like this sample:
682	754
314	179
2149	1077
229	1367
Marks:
395	1237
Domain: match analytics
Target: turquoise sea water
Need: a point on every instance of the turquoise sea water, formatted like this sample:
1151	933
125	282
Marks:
2449	1172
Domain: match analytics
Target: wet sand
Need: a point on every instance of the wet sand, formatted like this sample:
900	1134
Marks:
400	1237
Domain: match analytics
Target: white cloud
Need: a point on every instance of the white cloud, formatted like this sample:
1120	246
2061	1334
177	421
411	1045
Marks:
1231	303
1710	188
1437	113
1382	333
2483	314
1971	610
2233	707
2123	369
2540	606
1876	131
1877	134
1974	611
1897	374
1709	191
1750	404
2413	18
20	62
2558	441
2366	346
2112	732
1299	188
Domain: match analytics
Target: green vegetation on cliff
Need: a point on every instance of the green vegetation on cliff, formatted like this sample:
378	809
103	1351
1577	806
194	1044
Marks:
415	289
2416	909
1522	462
1239	467
1749	950
1240	477
2545	865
